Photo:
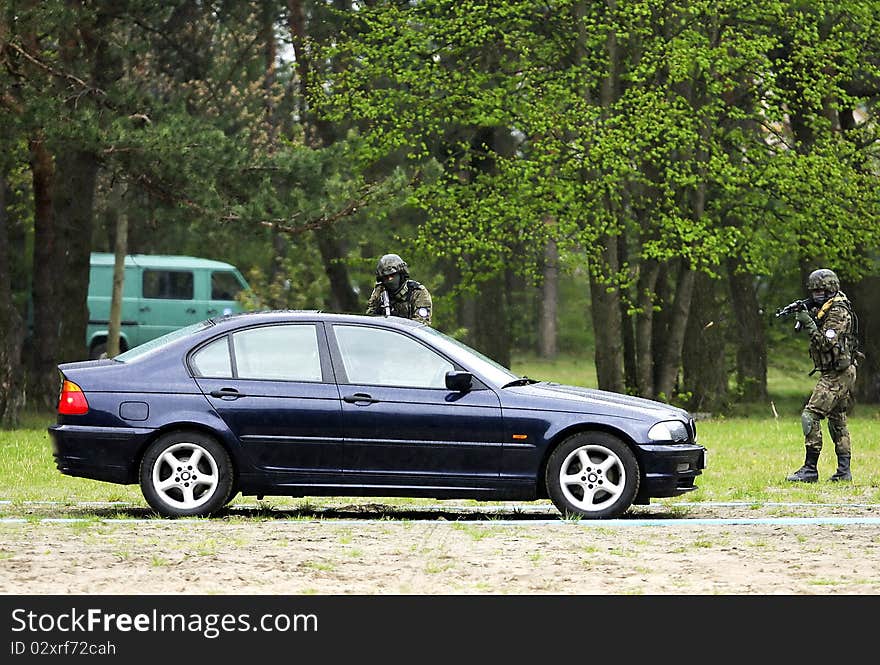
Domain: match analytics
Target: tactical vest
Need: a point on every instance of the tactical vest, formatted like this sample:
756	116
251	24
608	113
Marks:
403	307
845	350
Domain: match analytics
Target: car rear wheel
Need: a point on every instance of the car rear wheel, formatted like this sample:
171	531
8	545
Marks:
186	474
592	475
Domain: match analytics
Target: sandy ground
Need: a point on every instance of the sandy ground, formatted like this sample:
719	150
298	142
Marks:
374	549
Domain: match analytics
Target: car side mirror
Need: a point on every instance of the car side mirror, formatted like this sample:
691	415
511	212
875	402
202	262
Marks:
459	381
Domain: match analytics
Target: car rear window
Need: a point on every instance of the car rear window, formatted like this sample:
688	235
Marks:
157	343
287	352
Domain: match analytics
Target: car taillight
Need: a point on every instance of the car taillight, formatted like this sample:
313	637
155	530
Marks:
73	401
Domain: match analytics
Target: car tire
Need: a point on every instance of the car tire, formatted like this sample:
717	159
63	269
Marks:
186	474
592	475
98	351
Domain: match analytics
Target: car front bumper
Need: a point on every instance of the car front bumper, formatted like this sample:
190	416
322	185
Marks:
669	469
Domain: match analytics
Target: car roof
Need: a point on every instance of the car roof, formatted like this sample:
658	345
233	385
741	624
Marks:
160	261
276	315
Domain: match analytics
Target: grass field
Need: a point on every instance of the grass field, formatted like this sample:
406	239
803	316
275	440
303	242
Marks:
748	460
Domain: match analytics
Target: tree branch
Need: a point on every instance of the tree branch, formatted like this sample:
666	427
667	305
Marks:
85	87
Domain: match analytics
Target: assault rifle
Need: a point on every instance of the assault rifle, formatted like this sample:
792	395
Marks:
792	307
386	302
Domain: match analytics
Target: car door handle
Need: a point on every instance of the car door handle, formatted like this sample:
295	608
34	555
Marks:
190	310
223	393
145	309
359	398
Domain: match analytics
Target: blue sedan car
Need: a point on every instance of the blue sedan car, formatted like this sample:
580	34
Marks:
316	404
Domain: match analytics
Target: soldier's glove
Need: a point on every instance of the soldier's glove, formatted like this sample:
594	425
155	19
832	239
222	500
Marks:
807	323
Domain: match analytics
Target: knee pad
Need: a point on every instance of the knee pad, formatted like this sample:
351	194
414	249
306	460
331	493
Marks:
808	419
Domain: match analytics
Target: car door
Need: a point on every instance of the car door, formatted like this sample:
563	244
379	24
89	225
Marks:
273	386
401	423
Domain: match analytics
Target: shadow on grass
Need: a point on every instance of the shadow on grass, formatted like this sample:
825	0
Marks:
361	511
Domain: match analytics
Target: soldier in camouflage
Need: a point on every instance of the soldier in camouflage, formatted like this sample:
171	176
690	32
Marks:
832	327
407	298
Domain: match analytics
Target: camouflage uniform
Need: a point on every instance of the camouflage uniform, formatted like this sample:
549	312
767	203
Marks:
413	301
831	327
833	393
407	298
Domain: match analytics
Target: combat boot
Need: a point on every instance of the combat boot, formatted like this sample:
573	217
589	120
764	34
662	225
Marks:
843	473
808	472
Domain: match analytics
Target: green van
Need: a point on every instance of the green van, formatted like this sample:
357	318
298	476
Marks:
159	294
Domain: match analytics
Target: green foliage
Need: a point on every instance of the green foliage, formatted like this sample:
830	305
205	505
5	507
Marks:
462	134
296	285
703	94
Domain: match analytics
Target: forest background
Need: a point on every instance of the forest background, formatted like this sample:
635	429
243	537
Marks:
643	181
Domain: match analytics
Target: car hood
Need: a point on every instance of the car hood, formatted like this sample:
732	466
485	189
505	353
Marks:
576	398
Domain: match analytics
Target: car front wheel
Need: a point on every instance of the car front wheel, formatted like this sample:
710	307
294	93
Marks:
592	475
186	474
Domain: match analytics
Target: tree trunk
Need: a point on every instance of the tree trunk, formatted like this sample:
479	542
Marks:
751	340
466	315
671	352
607	323
317	131
865	298
604	292
549	302
269	80
630	366
491	329
121	249
342	296
11	330
647	285
319	134
43	377
703	360
76	174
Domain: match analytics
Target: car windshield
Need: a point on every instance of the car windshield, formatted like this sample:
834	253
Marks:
475	361
159	342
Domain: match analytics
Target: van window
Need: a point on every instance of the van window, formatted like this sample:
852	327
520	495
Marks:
168	284
224	286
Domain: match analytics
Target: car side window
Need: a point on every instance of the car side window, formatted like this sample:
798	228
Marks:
213	360
279	353
387	358
168	284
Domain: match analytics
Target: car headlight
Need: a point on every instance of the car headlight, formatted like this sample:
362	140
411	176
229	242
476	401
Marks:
669	430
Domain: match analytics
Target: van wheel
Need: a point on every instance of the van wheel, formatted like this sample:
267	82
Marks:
592	475
186	474
98	350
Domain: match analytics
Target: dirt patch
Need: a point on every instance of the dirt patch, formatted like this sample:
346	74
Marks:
346	551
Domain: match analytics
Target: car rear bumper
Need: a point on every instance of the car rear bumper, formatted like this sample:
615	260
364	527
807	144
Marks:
669	470
110	454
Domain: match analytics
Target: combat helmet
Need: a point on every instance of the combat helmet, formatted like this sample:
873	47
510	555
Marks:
823	280
391	264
